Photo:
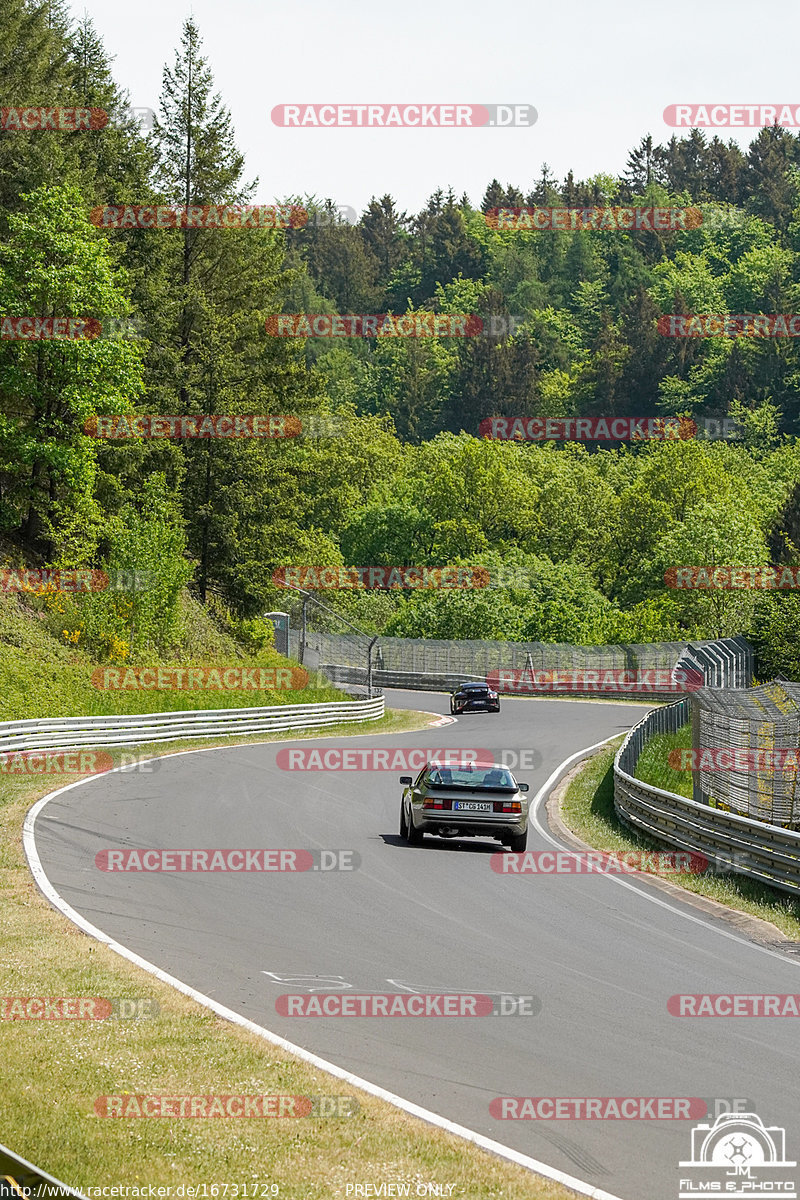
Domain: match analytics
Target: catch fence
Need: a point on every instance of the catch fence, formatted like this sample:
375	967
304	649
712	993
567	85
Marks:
435	665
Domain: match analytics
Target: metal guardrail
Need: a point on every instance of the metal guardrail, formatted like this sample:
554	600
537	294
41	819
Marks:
70	733
744	847
20	1178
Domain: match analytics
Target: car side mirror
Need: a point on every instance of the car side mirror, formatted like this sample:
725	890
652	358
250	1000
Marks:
522	787
406	779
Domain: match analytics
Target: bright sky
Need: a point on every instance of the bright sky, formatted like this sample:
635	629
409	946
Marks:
599	74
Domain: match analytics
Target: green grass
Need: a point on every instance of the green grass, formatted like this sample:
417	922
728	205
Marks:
41	676
653	765
588	810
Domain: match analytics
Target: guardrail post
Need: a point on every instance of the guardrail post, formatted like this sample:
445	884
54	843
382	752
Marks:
302	647
369	668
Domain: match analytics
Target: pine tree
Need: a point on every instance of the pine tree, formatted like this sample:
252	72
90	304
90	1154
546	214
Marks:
33	67
727	171
770	158
493	197
215	290
645	166
384	230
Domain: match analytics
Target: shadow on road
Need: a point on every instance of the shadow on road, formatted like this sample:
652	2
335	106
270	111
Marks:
462	845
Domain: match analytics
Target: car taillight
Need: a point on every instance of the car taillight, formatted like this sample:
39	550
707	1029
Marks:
436	802
507	806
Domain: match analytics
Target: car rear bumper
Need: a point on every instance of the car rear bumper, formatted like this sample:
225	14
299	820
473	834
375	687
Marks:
470	825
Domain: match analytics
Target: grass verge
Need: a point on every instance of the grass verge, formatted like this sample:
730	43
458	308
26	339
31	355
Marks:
587	809
42	676
653	765
57	1069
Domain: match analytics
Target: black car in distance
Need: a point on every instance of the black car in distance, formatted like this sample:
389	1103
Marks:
474	697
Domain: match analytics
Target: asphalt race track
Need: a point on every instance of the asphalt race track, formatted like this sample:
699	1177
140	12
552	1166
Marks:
601	954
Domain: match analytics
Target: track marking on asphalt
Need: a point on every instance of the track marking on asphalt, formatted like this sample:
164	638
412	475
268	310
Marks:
642	891
373	1089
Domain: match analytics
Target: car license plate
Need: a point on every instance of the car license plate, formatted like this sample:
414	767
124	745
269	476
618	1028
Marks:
471	806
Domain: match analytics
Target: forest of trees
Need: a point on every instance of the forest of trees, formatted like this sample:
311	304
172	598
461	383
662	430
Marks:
588	530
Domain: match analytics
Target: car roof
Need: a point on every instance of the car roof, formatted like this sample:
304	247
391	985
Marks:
482	766
475	683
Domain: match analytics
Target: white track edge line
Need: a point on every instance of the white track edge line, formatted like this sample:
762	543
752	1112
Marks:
682	909
415	1110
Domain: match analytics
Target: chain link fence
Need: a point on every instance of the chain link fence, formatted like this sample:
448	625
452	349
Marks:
431	665
731	842
766	719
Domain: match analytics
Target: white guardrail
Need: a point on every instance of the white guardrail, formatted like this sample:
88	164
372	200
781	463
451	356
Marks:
70	733
736	844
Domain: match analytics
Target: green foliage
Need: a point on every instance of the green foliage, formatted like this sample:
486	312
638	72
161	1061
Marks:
775	634
55	266
139	613
584	533
253	634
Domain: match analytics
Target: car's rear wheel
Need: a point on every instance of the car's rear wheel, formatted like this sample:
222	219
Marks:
413	836
517	842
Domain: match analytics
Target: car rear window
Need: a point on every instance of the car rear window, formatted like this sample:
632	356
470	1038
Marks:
484	778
